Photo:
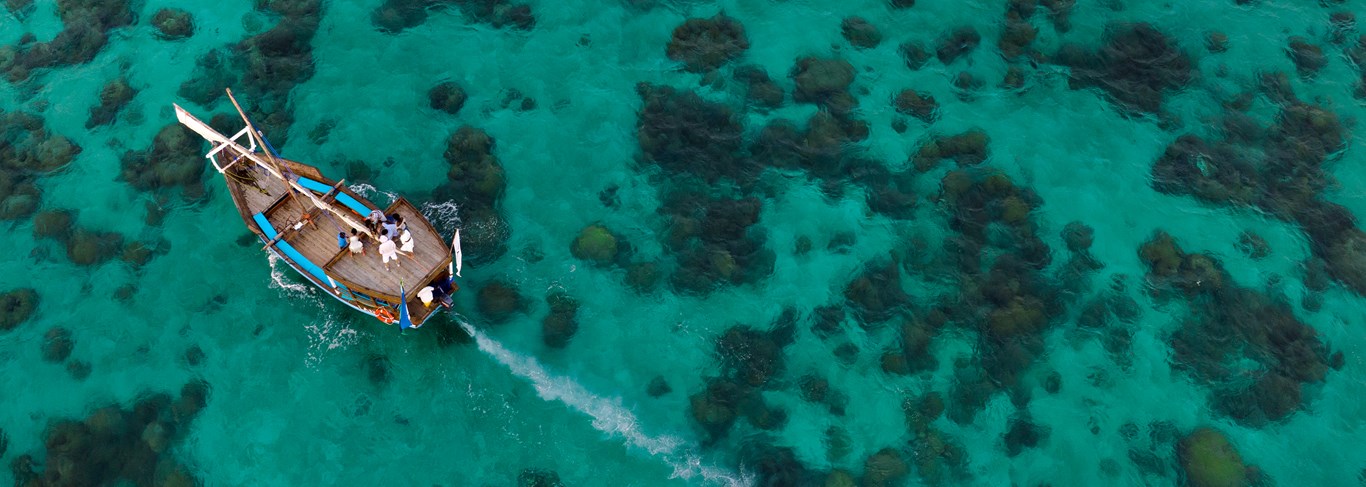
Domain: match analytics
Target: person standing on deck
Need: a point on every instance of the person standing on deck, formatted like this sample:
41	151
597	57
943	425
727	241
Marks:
388	251
357	246
406	241
391	227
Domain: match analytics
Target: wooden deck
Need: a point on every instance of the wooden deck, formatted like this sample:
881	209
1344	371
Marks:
254	191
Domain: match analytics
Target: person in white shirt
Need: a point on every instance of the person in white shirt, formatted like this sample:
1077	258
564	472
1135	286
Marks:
406	242
426	296
356	245
388	251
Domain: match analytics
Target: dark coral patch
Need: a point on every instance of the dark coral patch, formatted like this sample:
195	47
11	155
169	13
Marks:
173	161
706	44
684	134
1137	66
173	23
113	97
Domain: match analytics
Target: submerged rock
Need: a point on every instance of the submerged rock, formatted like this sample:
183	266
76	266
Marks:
884	468
1209	460
917	104
57	344
818	79
957	42
562	322
532	477
16	306
173	23
1137	66
113	97
860	32
174	160
1308	58
705	44
658	387
447	97
914	54
595	244
498	301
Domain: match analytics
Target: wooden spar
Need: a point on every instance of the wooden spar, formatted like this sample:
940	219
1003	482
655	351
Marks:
250	129
213	136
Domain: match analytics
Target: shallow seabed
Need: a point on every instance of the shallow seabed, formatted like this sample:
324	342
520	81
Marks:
302	391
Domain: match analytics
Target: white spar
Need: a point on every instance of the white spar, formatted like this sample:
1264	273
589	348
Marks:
455	246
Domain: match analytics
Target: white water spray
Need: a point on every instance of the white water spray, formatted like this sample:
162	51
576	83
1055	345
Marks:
445	214
609	416
369	192
323	336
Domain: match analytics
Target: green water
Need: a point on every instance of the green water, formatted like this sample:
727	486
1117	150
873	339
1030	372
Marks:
291	401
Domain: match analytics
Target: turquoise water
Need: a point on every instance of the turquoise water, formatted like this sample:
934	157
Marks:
294	400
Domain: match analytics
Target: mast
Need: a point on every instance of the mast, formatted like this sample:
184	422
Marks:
221	142
257	137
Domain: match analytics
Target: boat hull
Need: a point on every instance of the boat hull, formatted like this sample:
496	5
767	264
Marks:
329	292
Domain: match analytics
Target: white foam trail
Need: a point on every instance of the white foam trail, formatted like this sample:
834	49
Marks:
445	215
277	278
609	416
324	336
369	191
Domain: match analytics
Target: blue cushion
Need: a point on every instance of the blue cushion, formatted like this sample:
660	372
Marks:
344	198
294	255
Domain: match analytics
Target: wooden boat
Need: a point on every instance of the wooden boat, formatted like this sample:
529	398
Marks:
307	220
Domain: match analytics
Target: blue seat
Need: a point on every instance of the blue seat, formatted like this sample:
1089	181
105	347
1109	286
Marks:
293	254
345	199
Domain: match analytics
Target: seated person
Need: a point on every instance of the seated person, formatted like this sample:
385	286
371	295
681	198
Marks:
356	245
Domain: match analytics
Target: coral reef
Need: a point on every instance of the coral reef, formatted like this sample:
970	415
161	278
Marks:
1281	172
1231	328
28	151
760	89
174	160
956	43
596	244
16	306
706	44
114	444
1209	460
173	23
562	322
860	33
113	97
750	360
86	26
684	134
447	97
1137	66
499	300
476	182
917	104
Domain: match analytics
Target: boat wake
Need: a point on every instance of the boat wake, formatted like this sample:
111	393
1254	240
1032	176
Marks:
369	192
290	289
609	416
444	215
324	332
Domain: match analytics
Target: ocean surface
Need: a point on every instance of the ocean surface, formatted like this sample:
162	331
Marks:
801	330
